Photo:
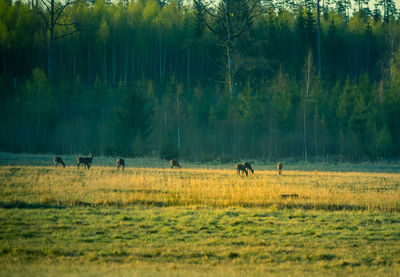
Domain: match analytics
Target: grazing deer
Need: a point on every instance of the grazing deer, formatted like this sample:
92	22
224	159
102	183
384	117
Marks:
241	168
58	160
85	161
248	166
279	167
174	163
121	162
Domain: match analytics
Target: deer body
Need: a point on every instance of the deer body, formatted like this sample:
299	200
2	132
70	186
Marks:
279	167
241	169
85	161
248	166
120	162
58	160
174	163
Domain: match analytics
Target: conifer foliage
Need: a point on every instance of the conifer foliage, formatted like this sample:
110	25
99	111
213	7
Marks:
201	80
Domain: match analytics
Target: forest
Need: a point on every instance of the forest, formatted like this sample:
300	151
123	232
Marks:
201	81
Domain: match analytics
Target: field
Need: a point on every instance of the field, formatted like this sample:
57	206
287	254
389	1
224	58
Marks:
201	220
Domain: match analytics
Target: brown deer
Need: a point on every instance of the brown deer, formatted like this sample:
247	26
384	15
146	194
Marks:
85	161
248	166
121	162
174	163
58	160
279	167
241	168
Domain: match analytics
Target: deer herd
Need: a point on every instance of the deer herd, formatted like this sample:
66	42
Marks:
243	168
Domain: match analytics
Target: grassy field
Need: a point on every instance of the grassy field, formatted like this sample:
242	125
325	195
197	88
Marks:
201	220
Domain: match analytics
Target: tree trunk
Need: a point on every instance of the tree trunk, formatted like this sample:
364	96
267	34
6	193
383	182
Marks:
114	64
126	64
5	71
315	133
133	67
230	67
177	115
318	38
73	60
159	52
104	62
37	107
305	130
89	61
188	66
307	92
50	50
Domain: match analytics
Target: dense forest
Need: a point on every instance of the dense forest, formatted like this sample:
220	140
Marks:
202	81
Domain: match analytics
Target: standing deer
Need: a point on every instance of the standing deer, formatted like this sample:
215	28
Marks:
174	163
58	160
85	161
248	166
241	168
121	162
279	167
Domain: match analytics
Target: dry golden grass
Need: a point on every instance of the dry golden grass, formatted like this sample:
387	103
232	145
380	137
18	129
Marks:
201	187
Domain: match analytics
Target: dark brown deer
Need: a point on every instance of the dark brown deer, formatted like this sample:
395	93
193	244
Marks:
241	168
279	166
174	163
58	160
85	161
121	162
248	166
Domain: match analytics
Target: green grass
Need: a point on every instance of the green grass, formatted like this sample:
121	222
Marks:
201	239
197	222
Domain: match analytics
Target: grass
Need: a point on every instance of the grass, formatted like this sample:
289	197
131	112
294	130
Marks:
164	187
199	221
201	239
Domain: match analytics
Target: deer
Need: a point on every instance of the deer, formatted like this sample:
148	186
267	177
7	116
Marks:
241	168
121	162
248	166
174	163
85	161
279	167
58	160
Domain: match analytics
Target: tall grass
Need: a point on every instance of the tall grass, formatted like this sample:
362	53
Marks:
199	187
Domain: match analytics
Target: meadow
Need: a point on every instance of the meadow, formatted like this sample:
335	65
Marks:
200	220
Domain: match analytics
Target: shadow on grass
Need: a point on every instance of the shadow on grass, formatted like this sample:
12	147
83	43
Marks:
147	203
25	205
308	206
77	203
144	191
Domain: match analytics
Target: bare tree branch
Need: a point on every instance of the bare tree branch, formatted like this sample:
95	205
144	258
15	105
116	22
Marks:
54	10
66	34
45	4
246	21
207	10
60	11
39	11
64	24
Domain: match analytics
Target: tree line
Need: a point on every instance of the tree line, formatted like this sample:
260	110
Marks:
237	79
